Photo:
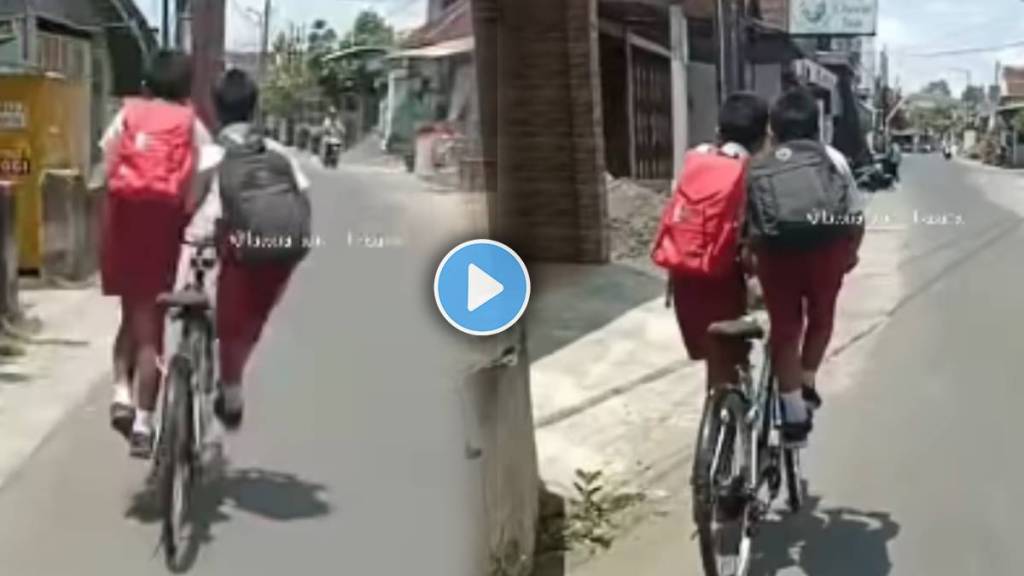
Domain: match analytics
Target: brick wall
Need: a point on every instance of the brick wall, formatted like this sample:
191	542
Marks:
551	199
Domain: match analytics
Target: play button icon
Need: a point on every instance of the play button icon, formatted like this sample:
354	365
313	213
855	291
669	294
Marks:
482	287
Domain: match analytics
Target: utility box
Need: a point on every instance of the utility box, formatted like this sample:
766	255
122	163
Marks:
70	223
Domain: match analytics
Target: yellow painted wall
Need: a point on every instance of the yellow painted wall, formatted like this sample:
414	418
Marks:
58	117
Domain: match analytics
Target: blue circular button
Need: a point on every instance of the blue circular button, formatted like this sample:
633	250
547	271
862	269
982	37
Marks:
482	287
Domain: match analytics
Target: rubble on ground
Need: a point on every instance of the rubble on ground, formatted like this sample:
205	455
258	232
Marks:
634	211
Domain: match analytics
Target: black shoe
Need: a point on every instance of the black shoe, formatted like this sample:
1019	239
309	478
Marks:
795	434
812	398
140	445
231	420
122	416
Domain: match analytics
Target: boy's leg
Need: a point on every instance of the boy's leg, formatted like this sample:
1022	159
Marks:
246	296
781	276
827	271
122	410
147	333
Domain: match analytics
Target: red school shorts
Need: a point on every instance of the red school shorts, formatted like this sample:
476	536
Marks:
801	287
700	302
141	244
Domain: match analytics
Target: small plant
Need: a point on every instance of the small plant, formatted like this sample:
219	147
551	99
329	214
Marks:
591	520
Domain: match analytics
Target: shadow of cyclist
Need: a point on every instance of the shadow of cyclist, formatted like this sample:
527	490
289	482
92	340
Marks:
827	542
276	496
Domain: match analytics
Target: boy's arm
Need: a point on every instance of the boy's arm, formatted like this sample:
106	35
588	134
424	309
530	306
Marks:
300	175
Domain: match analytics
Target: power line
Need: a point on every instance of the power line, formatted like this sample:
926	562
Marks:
964	51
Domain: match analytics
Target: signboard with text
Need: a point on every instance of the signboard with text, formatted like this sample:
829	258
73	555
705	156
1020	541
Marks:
14	164
833	17
13	116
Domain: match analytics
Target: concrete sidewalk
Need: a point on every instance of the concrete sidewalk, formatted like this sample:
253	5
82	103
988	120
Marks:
612	387
61	364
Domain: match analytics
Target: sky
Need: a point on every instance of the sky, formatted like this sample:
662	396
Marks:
244	30
914	29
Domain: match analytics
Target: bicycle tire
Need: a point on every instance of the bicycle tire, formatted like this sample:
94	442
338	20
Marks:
176	462
718	545
794	479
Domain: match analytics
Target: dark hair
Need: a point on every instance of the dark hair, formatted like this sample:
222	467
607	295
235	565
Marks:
235	97
743	120
169	76
795	116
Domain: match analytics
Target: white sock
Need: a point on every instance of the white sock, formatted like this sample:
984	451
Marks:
811	378
233	401
794	408
143	421
122	394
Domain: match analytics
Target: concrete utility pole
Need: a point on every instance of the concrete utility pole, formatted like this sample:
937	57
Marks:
265	42
680	85
165	25
206	30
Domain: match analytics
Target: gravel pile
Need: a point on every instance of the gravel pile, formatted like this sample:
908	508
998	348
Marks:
634	211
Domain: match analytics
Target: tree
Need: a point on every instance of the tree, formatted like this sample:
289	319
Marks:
974	95
289	85
369	29
994	92
938	88
1018	122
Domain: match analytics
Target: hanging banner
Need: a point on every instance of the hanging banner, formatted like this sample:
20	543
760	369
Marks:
833	17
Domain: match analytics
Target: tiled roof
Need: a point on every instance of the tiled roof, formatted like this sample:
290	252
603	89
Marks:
454	23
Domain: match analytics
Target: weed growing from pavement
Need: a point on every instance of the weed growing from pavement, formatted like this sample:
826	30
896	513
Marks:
589	523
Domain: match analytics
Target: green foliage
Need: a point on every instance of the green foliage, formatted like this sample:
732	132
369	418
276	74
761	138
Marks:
369	29
1018	122
938	88
289	85
974	95
348	75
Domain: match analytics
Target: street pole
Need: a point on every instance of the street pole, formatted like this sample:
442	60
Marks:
165	26
265	42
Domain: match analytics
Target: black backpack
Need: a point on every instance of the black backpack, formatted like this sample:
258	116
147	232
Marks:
797	197
266	216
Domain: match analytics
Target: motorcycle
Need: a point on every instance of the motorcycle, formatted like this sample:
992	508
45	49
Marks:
874	177
332	151
947	153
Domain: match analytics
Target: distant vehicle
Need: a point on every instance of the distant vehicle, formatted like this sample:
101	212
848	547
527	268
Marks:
332	151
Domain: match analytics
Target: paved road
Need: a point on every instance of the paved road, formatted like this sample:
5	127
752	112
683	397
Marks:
915	468
352	459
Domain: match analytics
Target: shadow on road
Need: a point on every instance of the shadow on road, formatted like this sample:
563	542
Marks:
276	496
828	542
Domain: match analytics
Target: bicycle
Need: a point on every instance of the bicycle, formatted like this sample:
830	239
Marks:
740	453
186	400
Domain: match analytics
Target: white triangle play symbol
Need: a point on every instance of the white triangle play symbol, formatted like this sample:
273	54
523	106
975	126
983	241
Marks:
482	288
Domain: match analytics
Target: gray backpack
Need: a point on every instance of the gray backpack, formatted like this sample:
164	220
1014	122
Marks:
797	197
266	216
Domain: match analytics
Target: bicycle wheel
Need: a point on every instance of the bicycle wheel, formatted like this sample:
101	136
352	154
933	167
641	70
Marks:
176	462
720	504
794	479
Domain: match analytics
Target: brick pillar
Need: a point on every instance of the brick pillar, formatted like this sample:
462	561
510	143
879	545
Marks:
551	197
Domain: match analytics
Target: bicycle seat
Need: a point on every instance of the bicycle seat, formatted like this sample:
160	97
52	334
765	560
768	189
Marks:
737	329
188	299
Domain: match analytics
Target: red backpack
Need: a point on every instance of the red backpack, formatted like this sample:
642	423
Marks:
155	157
700	226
